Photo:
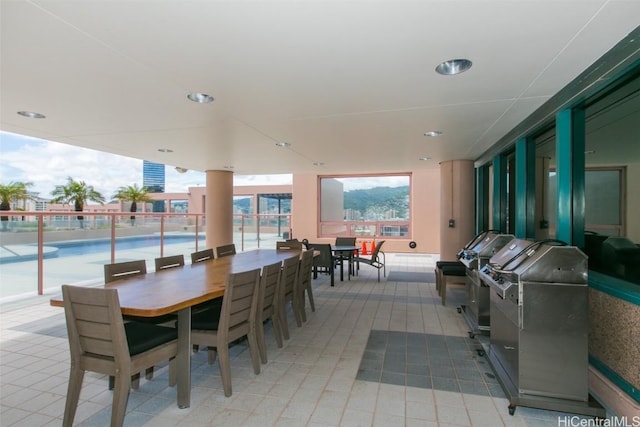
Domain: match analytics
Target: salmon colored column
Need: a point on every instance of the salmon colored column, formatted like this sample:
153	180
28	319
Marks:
219	208
457	211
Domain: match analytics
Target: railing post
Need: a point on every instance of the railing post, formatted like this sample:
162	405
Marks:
197	226
258	229
113	238
162	236
242	224
40	255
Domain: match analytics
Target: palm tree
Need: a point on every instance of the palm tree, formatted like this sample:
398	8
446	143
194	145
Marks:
12	192
133	194
77	192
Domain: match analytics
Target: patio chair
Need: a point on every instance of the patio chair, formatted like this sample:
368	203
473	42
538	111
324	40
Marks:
173	261
375	260
324	262
268	306
126	270
200	256
288	277
101	342
303	285
225	250
237	319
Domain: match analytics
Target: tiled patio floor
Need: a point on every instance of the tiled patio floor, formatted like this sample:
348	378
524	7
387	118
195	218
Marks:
334	371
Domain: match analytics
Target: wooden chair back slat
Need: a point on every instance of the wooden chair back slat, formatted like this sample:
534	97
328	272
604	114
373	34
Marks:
238	299
268	289
203	255
226	250
94	322
290	268
289	245
172	261
123	270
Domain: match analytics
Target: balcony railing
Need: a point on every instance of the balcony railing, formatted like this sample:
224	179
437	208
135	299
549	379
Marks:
365	229
39	251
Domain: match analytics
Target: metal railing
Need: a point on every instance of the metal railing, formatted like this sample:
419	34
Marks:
365	229
39	251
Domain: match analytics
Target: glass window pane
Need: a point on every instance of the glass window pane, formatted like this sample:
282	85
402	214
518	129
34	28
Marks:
372	205
602	197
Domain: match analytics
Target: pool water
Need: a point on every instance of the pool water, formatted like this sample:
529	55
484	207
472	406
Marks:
83	247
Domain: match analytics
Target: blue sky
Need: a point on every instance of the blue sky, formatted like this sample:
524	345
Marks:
47	164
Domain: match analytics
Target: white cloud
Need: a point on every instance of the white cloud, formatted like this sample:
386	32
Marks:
47	164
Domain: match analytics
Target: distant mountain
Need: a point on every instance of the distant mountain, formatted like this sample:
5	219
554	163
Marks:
374	202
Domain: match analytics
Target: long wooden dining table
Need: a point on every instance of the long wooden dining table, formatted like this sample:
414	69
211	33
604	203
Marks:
176	290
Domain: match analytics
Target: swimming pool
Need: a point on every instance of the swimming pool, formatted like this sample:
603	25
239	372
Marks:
82	247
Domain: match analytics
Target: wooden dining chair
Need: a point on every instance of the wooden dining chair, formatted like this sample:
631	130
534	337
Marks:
303	285
173	261
101	342
288	245
288	279
203	255
225	250
268	306
127	270
237	319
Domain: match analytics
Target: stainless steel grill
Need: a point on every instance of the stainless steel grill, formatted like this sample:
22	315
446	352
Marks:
474	256
539	325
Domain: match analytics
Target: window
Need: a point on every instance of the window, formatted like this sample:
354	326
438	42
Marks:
365	205
612	193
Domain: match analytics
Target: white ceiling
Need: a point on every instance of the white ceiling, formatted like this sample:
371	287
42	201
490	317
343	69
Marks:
348	83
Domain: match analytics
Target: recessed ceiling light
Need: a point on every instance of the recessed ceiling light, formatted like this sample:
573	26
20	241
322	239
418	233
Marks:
454	66
200	98
283	144
31	114
425	158
228	167
433	133
318	163
165	150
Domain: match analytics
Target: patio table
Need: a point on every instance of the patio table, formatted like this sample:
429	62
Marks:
179	289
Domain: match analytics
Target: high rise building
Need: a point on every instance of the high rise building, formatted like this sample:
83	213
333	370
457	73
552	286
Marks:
153	180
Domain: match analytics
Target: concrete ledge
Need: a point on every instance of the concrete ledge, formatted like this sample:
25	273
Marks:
610	396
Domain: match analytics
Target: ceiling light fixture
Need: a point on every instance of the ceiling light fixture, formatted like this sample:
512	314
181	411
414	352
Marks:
453	67
181	170
31	115
283	144
433	133
228	167
165	150
200	98
425	158
318	163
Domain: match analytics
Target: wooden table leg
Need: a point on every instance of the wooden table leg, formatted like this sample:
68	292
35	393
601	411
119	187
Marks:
183	359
